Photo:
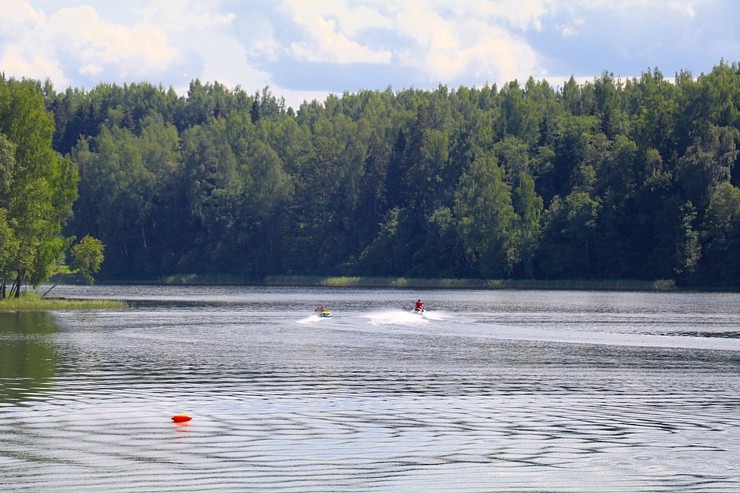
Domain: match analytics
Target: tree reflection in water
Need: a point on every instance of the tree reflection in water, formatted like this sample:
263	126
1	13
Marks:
27	357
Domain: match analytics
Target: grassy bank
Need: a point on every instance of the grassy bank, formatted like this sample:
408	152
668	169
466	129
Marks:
383	282
413	283
32	301
418	283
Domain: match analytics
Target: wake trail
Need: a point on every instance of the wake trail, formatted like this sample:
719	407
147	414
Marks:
396	317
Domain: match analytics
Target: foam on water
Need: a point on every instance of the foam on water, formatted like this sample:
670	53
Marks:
395	317
311	319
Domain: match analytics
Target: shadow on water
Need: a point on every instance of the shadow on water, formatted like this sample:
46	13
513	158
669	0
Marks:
27	358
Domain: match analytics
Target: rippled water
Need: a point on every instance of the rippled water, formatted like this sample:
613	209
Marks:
493	391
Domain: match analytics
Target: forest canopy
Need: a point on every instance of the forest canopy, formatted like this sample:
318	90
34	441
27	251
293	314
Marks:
609	179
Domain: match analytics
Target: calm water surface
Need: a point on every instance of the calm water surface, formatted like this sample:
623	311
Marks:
493	391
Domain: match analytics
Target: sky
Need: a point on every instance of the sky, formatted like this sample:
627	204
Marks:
307	49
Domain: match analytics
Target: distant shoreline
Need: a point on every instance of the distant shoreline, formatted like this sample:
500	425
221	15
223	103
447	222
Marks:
414	283
609	285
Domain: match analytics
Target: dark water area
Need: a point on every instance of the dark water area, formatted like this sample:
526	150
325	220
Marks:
527	391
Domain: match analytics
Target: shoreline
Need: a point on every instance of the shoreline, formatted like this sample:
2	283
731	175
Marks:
490	284
416	283
657	285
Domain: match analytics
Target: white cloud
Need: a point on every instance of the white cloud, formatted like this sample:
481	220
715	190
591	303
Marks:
571	28
19	24
17	17
411	42
206	34
31	62
188	15
443	40
521	15
90	46
636	9
473	40
91	69
259	40
225	61
688	7
331	28
127	51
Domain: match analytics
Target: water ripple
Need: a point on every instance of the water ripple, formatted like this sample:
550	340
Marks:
359	404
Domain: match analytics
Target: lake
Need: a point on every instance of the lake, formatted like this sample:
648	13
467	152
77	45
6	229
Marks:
526	391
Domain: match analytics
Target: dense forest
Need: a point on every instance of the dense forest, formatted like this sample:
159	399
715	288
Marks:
609	179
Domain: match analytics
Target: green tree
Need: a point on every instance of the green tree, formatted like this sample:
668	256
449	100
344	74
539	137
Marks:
210	185
658	209
486	218
416	174
519	115
653	106
392	251
513	154
7	170
373	200
708	162
721	237
528	206
567	249
87	257
687	252
9	248
117	188
265	194
39	198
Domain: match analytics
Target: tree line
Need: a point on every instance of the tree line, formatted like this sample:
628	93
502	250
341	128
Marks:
609	179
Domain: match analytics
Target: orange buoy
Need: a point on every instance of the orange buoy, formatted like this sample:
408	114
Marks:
181	418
